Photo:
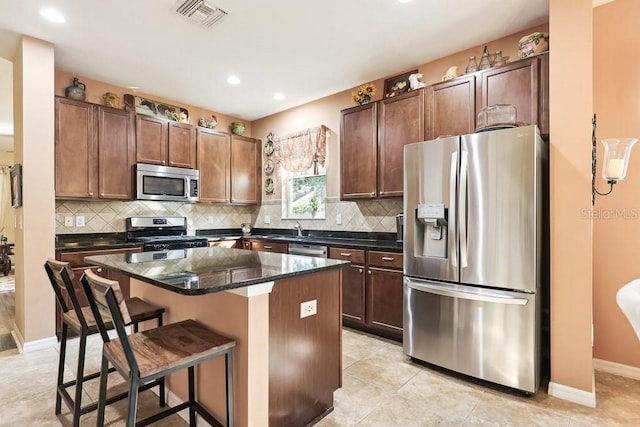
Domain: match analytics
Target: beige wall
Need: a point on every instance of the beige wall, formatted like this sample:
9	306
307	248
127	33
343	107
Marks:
616	94
570	176
34	133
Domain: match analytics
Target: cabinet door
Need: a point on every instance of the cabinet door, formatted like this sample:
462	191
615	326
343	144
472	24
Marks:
451	108
384	300
75	149
182	145
245	170
116	153
401	123
516	84
358	152
353	279
213	163
151	140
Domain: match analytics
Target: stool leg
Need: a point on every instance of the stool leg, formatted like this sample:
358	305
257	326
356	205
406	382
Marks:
228	362
134	383
77	403
192	398
163	401
102	396
63	352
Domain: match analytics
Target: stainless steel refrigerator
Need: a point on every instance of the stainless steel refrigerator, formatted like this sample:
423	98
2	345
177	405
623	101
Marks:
473	209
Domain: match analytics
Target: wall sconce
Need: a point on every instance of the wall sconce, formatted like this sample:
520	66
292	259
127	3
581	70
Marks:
616	159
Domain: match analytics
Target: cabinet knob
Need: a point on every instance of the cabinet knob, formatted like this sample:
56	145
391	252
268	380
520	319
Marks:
360	270
101	194
373	193
369	272
163	162
91	193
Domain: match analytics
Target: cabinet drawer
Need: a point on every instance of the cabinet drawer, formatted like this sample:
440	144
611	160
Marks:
356	256
76	259
258	245
384	259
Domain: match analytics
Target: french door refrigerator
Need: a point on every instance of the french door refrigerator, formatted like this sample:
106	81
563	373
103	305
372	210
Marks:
472	254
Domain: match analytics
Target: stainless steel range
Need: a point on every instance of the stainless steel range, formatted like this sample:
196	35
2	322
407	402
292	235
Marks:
162	233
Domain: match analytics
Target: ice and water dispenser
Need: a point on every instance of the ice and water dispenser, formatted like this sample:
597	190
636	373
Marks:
431	230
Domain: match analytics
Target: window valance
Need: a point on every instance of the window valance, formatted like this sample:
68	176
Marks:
298	151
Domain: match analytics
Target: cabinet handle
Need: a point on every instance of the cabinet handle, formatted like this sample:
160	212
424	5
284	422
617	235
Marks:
387	258
373	193
382	193
268	247
91	193
99	270
360	270
369	271
101	194
345	254
163	162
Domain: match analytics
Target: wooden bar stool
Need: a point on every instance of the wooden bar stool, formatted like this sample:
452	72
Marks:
81	321
146	356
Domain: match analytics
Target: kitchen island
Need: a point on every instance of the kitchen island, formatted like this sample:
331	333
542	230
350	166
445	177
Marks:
287	362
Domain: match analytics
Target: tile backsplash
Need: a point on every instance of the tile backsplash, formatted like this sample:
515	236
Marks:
109	217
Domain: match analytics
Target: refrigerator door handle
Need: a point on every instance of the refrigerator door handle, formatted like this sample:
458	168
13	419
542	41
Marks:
441	290
462	212
452	210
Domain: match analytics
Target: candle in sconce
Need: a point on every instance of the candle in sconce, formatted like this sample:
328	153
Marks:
615	168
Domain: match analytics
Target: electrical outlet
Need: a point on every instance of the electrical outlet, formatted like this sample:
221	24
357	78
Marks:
210	219
68	221
338	219
267	219
308	308
79	221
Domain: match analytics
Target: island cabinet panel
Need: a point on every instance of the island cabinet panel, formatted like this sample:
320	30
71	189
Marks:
401	122
75	149
301	383
151	140
94	151
358	152
516	84
451	108
245	170
353	284
116	153
213	154
182	145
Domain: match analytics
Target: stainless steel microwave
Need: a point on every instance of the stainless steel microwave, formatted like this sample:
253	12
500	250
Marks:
166	183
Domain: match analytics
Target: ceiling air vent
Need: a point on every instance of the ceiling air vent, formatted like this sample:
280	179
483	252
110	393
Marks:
200	12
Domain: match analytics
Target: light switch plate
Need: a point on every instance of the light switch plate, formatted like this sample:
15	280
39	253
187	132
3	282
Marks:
79	221
68	221
308	308
338	219
210	219
267	219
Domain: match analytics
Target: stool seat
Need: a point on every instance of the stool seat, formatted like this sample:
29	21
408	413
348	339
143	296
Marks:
168	348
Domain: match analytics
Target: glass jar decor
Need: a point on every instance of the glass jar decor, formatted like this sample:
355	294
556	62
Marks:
472	66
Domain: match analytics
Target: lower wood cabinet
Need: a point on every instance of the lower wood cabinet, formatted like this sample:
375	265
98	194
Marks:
265	246
372	289
78	266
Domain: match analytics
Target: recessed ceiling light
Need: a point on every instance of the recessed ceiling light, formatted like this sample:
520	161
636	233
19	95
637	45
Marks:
233	80
52	15
278	96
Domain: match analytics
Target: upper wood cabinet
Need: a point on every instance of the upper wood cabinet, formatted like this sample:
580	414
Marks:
451	107
94	151
401	122
214	155
372	137
245	170
166	143
358	152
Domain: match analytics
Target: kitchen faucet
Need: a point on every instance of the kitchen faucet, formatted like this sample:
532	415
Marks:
299	228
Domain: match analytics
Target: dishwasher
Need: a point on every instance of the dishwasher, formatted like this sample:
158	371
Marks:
318	251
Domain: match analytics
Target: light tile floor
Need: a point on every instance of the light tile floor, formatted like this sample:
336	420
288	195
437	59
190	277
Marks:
381	387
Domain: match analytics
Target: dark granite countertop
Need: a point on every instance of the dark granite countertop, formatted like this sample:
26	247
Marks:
92	241
206	270
349	239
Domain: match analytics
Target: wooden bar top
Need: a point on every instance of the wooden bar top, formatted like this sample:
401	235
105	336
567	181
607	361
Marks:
206	270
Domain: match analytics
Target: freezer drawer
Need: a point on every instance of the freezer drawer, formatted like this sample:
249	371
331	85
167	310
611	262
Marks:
483	333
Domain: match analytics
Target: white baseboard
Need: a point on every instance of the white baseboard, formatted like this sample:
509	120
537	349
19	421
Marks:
31	346
574	395
616	369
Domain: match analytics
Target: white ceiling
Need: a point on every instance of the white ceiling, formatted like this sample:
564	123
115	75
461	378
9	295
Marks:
304	49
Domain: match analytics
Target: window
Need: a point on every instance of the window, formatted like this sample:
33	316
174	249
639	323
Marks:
304	194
